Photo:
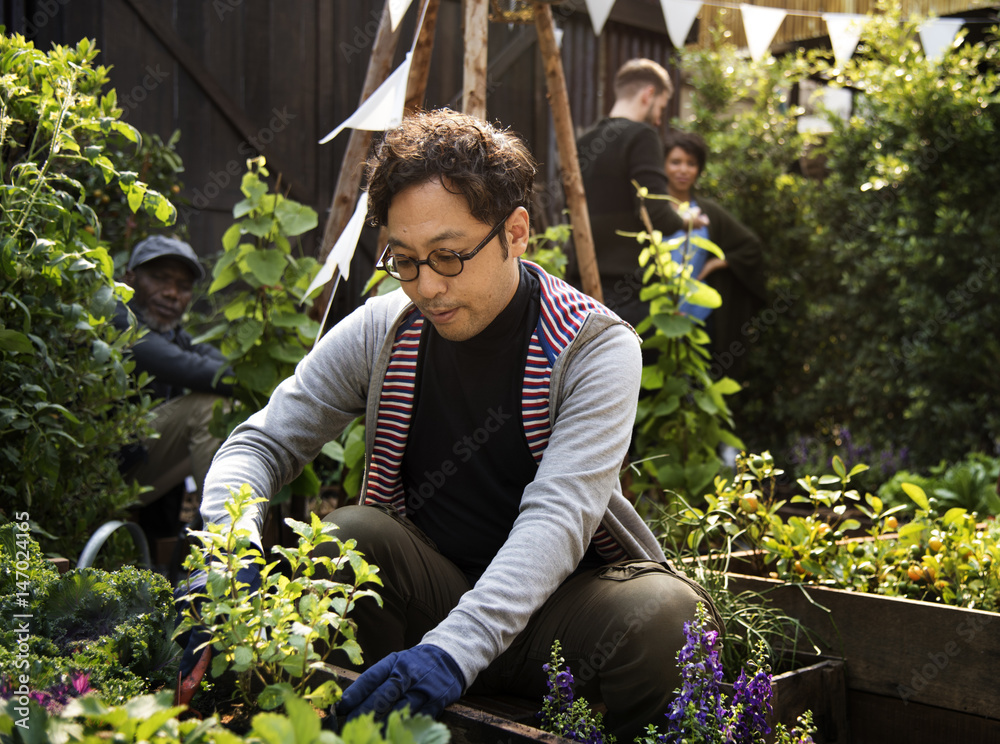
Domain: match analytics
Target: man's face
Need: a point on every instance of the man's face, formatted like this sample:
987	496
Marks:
162	291
657	102
426	217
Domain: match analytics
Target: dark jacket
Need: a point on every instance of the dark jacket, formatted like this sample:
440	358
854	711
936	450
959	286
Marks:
612	154
175	363
741	284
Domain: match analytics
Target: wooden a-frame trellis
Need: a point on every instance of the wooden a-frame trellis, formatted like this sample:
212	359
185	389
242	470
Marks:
476	28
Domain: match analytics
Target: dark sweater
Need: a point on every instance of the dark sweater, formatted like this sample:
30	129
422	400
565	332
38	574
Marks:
176	365
612	154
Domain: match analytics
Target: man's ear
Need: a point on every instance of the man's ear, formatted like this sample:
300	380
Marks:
129	278
646	94
518	229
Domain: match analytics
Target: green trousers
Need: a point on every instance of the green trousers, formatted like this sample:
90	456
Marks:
184	446
620	626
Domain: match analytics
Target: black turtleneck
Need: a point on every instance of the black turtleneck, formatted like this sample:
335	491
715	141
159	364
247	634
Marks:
467	461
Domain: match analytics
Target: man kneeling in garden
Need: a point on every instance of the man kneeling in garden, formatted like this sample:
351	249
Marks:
499	404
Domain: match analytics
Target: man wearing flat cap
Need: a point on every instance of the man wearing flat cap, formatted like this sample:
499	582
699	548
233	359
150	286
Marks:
185	376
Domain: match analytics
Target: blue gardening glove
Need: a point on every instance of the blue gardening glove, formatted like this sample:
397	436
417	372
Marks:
196	637
424	677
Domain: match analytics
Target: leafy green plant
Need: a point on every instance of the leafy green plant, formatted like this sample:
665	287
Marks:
281	635
913	550
112	626
685	417
700	542
90	720
872	306
67	401
155	163
548	249
261	285
970	484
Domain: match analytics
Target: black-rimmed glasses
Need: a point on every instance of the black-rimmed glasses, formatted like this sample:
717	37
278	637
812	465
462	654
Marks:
442	260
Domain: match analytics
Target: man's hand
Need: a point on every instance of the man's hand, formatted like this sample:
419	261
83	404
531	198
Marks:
424	677
249	575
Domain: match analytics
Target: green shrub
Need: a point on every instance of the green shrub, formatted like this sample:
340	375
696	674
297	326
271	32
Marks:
115	627
883	276
152	718
261	284
67	401
683	417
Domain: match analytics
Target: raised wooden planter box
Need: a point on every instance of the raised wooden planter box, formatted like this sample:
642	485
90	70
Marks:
819	687
915	671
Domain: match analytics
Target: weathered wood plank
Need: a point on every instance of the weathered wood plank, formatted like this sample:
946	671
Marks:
880	720
476	48
576	198
898	648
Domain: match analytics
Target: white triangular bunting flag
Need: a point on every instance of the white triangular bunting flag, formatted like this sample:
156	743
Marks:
937	34
599	10
679	16
760	25
383	108
342	252
845	32
397	9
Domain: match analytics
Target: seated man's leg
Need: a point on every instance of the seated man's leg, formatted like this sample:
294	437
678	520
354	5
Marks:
620	628
420	586
185	445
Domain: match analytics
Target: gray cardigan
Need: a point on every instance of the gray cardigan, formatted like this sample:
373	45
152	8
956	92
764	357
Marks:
593	390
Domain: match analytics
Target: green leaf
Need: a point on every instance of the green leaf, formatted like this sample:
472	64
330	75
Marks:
673	325
267	265
15	342
261	375
911	529
334	450
259	226
295	218
838	466
231	237
917	495
135	193
727	386
252	187
273	729
704	296
953	516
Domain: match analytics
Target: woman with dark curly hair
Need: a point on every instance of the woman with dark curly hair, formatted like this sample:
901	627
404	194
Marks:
739	277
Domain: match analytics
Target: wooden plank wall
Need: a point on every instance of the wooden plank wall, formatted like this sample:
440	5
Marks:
293	71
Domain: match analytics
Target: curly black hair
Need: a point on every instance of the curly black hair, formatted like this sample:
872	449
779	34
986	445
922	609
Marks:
689	142
492	168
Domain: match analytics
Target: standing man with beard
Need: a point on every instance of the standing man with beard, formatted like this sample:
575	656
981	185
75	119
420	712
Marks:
185	376
624	147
